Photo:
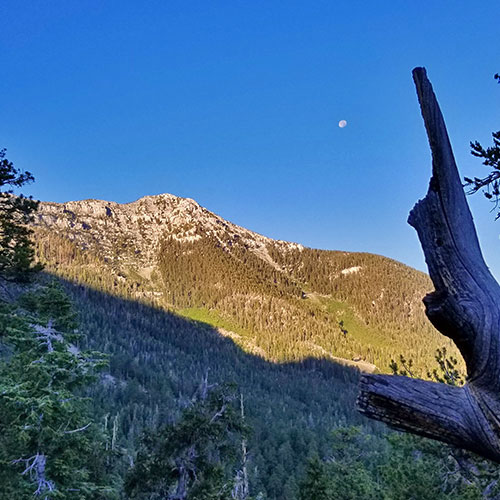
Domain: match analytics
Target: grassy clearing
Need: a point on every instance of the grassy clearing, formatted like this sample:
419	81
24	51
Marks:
341	311
213	318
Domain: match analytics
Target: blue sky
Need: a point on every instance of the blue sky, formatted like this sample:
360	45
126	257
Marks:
236	104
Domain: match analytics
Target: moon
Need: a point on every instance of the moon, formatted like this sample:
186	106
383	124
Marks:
342	123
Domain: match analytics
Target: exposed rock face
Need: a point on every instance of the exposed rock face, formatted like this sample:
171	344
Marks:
132	232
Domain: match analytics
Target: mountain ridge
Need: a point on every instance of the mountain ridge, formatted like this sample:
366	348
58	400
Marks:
279	298
183	216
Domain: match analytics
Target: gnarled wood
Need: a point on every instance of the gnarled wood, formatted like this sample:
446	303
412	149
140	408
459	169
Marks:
465	306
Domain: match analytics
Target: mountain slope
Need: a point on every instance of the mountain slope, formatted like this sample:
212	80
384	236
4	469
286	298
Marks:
157	361
276	299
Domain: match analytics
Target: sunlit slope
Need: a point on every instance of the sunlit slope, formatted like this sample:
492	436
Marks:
276	299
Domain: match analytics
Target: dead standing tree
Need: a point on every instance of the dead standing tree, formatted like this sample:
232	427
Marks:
465	306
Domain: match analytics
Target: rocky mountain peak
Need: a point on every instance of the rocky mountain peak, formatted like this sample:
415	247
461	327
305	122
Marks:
132	232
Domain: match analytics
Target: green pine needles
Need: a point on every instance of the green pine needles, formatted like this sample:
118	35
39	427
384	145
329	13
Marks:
49	445
491	159
16	211
192	458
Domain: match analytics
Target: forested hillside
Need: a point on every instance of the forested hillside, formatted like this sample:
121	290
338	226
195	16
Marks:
276	299
305	439
296	411
158	360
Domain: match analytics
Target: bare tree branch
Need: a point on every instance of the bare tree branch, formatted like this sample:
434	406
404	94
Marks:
464	307
79	429
35	466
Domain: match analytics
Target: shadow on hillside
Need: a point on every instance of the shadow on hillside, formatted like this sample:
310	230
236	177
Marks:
157	358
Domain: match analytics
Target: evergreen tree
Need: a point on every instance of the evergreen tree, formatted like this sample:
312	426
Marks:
49	445
193	457
16	211
491	159
316	482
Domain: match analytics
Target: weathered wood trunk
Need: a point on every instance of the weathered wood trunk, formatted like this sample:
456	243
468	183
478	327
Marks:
465	306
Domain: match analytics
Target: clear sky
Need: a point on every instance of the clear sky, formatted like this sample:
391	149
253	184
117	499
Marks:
236	104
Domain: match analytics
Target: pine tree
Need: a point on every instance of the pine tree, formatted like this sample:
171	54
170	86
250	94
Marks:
16	211
190	458
316	483
491	159
49	445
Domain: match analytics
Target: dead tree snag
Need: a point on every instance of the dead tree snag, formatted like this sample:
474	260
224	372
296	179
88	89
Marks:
465	307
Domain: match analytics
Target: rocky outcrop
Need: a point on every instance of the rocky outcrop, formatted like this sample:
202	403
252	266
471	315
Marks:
132	232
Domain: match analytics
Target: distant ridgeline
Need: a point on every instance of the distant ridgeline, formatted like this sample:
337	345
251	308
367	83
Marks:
276	299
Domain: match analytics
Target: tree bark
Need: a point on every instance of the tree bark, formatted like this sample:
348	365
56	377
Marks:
465	307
